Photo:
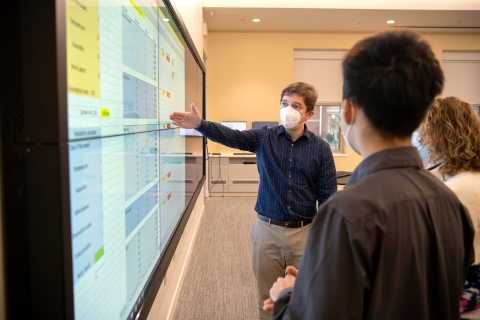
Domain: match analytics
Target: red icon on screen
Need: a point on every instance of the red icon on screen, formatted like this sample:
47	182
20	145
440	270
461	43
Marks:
169	196
169	174
168	94
168	58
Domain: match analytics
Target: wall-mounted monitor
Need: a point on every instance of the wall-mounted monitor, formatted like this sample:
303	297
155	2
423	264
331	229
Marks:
190	133
261	124
98	184
235	125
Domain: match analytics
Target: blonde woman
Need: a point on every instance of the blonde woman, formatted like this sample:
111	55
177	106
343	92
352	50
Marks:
451	132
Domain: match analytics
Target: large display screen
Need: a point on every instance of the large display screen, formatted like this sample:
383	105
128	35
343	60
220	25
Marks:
131	171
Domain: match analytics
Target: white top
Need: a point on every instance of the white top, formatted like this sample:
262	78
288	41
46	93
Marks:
466	185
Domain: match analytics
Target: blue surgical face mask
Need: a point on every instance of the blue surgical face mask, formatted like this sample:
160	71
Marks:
423	150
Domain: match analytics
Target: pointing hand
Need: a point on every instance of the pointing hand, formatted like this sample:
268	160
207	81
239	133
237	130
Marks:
187	120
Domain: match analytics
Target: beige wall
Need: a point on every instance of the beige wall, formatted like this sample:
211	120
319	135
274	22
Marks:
192	16
247	72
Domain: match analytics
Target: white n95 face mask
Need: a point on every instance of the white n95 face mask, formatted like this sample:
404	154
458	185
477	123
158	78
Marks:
290	117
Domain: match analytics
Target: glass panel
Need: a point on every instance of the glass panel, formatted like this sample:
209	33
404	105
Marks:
333	129
326	124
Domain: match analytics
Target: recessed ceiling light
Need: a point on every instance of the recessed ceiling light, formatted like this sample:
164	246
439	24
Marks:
256	20
390	21
166	19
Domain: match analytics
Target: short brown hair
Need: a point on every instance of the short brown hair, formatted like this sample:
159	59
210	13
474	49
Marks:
305	90
451	132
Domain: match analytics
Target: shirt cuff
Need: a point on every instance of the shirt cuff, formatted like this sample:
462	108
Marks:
203	126
281	305
285	292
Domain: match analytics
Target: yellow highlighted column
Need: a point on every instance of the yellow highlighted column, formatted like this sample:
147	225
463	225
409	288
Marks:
137	8
83	48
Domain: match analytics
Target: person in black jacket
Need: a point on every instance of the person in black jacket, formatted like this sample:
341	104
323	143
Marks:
396	243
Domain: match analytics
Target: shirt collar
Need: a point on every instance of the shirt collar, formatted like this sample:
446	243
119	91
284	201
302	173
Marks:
306	133
400	157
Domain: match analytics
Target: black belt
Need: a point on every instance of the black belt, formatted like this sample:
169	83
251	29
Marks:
286	224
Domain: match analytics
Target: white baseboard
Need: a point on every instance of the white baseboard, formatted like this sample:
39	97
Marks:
166	300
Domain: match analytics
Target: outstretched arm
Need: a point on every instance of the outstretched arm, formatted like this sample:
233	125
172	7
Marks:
187	120
247	140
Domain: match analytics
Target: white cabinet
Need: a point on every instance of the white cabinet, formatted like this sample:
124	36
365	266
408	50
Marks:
233	173
243	175
193	173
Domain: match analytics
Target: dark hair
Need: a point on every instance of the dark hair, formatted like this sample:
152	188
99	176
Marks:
393	77
305	90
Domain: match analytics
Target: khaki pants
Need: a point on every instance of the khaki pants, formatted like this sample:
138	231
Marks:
273	249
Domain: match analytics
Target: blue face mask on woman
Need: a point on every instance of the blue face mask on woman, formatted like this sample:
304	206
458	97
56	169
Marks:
423	150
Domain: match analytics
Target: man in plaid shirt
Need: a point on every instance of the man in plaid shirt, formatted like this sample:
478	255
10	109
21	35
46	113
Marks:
296	170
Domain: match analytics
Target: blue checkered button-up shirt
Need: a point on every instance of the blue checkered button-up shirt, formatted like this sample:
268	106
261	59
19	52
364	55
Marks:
293	175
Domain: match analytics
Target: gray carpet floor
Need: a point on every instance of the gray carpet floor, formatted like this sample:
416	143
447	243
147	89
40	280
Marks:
219	282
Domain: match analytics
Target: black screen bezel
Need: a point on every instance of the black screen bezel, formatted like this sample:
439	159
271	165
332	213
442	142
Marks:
34	127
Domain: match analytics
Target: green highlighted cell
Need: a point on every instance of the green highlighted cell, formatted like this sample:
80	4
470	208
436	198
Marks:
98	254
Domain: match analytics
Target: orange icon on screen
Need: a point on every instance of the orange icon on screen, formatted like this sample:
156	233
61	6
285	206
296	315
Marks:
168	58
169	174
168	94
